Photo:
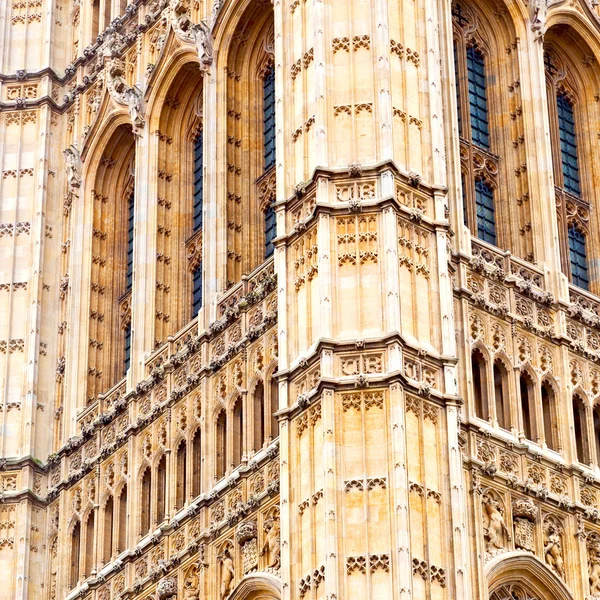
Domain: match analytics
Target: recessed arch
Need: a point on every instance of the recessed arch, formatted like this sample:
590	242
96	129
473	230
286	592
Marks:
525	570
257	586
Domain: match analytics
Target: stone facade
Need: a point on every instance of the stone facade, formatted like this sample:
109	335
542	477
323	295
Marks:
300	299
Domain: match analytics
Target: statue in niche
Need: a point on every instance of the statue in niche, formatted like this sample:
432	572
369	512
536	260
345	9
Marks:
538	18
133	96
191	584
73	160
227	573
553	553
494	526
272	545
204	44
593	548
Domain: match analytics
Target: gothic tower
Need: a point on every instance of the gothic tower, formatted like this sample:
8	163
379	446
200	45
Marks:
300	299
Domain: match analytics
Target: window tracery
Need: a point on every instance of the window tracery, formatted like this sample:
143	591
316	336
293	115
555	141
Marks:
494	192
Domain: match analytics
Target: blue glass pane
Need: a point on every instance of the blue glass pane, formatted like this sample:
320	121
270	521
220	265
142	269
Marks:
480	133
197	291
464	198
127	359
568	144
269	118
198	181
129	269
457	90
578	256
486	221
270	231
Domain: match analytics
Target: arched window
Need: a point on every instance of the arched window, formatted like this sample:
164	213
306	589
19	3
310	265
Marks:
270	230
146	502
274	392
580	430
108	530
75	552
89	545
571	114
501	395
259	416
130	228
238	432
478	368
181	476
578	258
269	118
197	290
473	118
527	407
550	417
196	464
161	490
122	531
221	444
197	217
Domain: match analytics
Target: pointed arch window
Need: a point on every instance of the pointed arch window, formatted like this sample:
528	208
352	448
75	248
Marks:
270	230
478	192
130	223
501	395
122	531
197	290
146	501
221	435
549	416
161	490
127	348
269	118
196	463
580	429
572	199
238	432
259	416
89	544
578	257
181	475
568	143
108	529
75	555
198	181
527	407
478	370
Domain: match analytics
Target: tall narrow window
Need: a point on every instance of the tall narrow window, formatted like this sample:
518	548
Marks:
161	490
478	368
568	144
181	475
501	396
269	118
197	291
146	501
259	416
130	217
597	432
108	530
527	409
270	230
89	544
196	464
274	390
122	534
486	222
578	258
75	552
478	191
480	133
127	348
549	415
580	427
238	432
95	20
198	181
221	434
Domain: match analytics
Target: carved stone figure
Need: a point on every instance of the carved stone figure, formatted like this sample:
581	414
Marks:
133	96
593	548
494	526
227	573
272	545
73	160
553	553
538	17
191	584
166	589
204	44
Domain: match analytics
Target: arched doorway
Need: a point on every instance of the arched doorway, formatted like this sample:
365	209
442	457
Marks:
257	586
521	576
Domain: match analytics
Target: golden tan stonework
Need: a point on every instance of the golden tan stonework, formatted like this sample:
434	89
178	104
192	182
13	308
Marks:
299	299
